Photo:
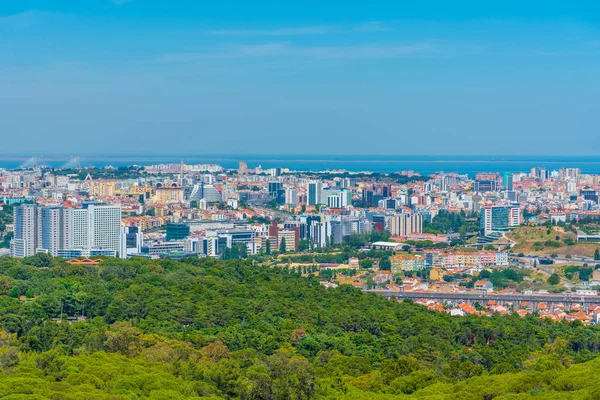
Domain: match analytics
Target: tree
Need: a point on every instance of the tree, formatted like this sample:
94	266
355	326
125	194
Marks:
385	264
597	255
282	246
15	292
303	245
463	233
268	247
554	279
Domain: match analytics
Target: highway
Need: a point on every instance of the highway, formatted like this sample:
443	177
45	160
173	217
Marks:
529	258
485	297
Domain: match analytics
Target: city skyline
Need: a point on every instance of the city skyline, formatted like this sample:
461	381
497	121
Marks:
116	76
299	200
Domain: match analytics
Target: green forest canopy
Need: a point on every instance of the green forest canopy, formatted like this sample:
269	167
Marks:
164	329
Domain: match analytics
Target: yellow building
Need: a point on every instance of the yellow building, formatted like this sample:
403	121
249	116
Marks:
466	258
168	194
140	190
436	274
102	188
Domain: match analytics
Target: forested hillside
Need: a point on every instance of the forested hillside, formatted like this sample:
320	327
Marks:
204	328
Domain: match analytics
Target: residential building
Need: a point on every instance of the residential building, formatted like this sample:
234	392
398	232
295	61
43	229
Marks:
25	239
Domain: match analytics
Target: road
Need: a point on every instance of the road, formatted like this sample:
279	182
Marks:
565	298
575	260
281	214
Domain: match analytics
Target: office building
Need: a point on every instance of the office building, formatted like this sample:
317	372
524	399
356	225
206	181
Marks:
485	186
507	181
590	195
132	240
274	186
499	218
177	231
314	192
334	201
320	233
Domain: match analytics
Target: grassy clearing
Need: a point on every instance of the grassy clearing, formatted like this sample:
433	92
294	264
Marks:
547	241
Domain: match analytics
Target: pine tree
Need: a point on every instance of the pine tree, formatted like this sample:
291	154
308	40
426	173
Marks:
282	246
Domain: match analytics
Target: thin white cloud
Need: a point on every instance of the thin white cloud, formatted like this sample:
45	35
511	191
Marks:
286	50
371	26
368	51
308	30
556	53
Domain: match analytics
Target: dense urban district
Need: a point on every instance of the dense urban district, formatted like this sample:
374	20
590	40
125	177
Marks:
184	281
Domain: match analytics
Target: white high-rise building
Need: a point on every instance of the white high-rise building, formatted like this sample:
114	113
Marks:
104	227
50	230
320	232
346	197
291	196
499	218
76	229
334	201
571	186
313	192
25	240
132	240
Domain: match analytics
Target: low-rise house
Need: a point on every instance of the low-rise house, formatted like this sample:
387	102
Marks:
484	286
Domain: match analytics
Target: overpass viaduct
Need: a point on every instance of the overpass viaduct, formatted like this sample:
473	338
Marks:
516	299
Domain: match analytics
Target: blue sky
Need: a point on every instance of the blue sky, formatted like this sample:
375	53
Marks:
272	77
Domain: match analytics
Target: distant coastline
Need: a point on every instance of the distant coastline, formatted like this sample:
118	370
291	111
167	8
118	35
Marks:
423	164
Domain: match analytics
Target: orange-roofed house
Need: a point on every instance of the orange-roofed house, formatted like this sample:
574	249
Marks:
85	261
522	313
